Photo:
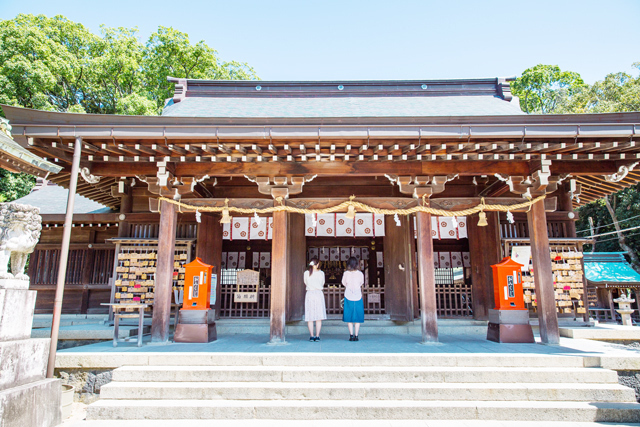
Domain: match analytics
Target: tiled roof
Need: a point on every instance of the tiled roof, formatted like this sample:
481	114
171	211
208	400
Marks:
385	106
52	199
609	269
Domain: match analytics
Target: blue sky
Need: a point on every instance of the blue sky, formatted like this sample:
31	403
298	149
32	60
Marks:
395	39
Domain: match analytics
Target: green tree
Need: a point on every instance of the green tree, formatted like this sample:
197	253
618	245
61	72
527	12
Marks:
15	185
59	65
543	87
56	64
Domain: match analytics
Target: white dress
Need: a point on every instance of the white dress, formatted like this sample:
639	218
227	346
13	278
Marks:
314	306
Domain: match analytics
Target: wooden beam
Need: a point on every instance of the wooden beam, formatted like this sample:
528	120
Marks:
279	279
426	279
336	168
543	275
164	273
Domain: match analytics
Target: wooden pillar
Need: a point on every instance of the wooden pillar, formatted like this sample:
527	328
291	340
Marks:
426	279
565	204
414	269
279	272
126	207
397	270
296	289
612	306
87	273
484	250
209	249
543	276
164	273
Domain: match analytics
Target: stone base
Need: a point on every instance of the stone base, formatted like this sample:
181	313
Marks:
23	361
195	333
14	284
35	404
509	333
509	317
16	313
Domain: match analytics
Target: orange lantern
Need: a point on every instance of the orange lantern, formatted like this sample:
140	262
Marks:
197	285
507	285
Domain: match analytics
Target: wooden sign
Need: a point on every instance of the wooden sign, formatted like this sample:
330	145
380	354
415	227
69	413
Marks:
247	278
373	298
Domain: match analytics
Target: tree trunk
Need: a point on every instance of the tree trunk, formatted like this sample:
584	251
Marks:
635	263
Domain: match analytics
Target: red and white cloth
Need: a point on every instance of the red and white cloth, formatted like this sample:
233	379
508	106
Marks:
338	225
247	228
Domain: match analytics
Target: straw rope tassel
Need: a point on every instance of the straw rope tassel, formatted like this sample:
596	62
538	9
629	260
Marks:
361	207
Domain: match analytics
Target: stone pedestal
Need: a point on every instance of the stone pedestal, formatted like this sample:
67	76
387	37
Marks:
27	398
509	326
624	309
196	326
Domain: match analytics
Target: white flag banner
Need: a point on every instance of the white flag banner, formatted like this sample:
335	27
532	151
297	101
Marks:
323	254
365	254
445	259
313	252
326	225
344	226
239	228
357	253
232	260
334	254
265	259
345	253
364	225
223	262
256	260
456	259
466	259
436	259
378	227
226	231
258	231
242	260
310	229
379	260
462	227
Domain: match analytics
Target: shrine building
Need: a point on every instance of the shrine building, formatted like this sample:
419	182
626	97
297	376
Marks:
240	147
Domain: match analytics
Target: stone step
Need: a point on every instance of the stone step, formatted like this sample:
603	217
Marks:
327	359
367	391
428	374
335	423
368	409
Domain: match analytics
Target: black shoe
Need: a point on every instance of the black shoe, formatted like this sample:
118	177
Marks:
312	339
351	338
316	339
356	338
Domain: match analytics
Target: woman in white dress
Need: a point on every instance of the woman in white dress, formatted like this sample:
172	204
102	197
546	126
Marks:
314	307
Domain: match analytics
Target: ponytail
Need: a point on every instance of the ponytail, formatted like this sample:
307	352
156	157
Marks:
314	261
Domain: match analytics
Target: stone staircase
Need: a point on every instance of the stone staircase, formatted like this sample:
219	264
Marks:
342	386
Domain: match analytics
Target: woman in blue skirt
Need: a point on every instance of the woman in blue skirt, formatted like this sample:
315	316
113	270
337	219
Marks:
353	314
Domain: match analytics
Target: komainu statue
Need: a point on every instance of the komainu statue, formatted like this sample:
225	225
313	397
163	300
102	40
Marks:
20	227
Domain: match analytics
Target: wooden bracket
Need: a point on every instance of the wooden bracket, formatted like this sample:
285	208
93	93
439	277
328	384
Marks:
419	186
280	186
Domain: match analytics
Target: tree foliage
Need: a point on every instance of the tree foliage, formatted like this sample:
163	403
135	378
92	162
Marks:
59	65
543	87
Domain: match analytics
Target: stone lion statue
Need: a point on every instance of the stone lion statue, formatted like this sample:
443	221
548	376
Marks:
20	227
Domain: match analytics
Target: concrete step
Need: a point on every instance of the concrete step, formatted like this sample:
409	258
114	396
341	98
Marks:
350	374
367	391
337	327
359	410
335	423
330	359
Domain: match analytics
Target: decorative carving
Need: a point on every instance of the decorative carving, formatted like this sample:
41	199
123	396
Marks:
540	182
622	173
5	126
20	227
85	173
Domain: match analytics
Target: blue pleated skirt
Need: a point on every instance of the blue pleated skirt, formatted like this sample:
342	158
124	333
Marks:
353	311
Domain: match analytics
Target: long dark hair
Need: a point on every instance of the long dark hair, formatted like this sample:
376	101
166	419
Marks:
352	264
314	261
